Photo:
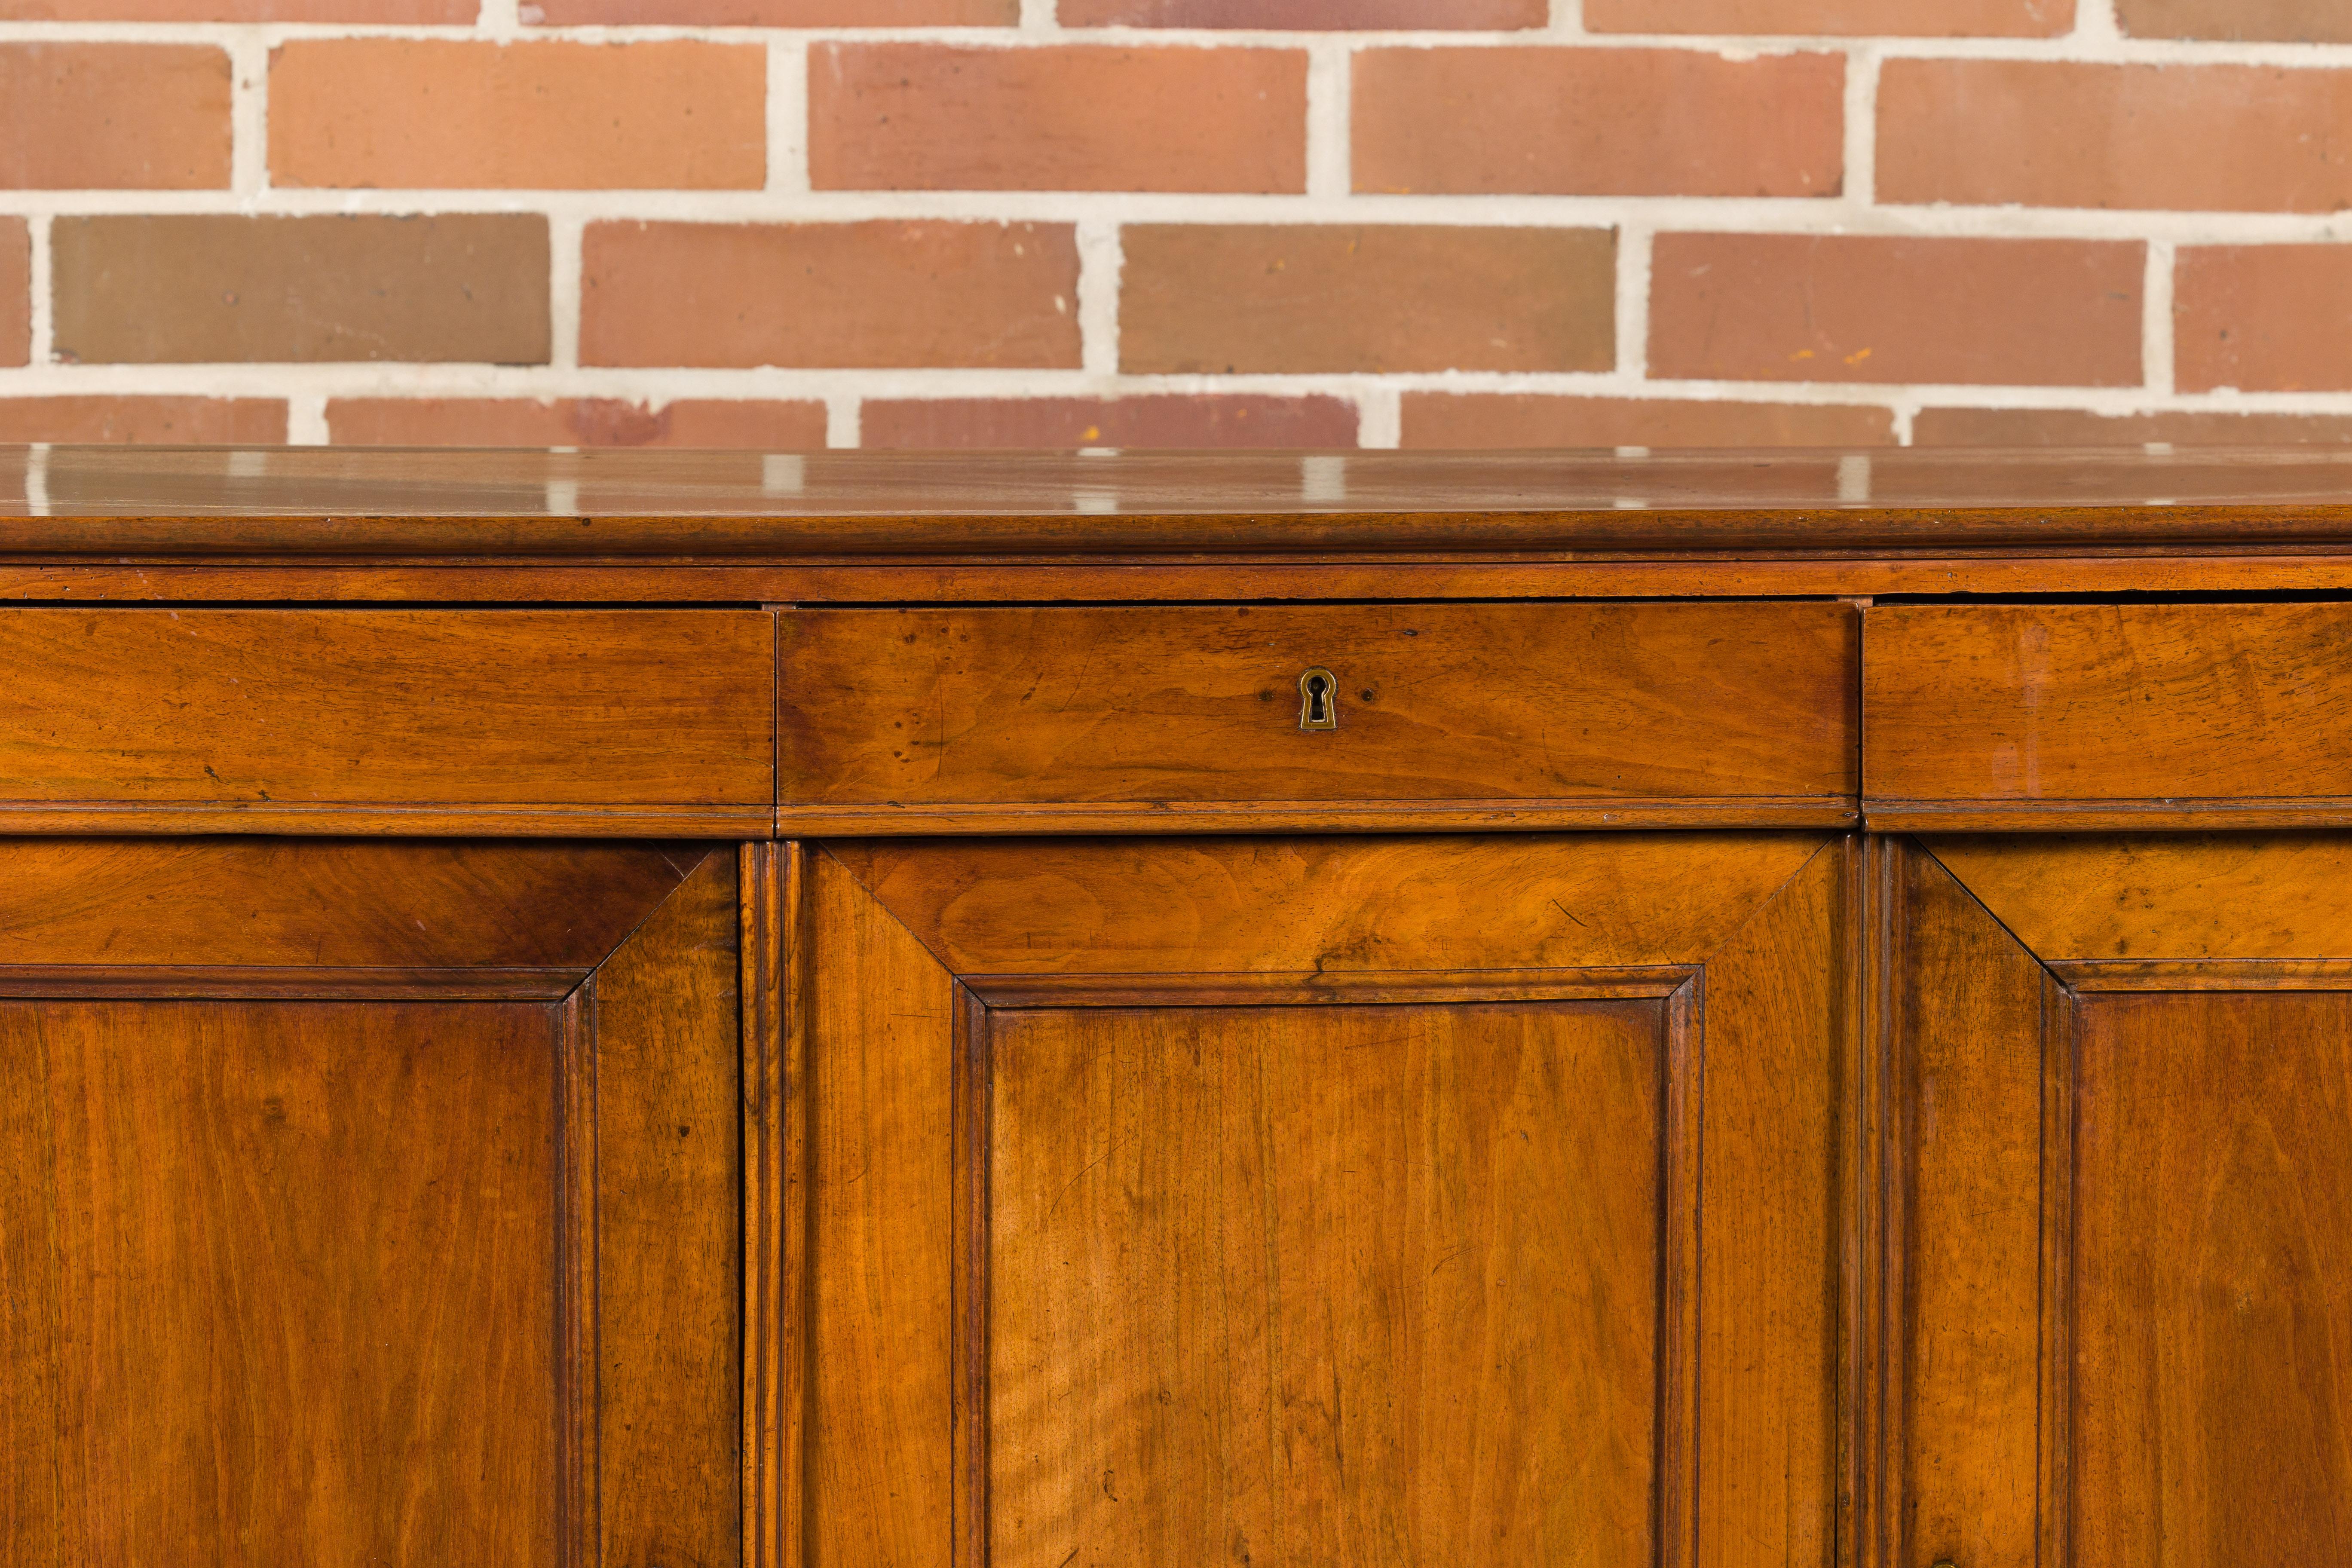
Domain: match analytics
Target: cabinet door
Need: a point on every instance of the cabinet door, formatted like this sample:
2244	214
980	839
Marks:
2123	1223
1467	1201
368	1203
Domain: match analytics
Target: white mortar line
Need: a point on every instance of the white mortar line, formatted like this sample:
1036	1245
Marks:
1100	259
248	115
563	290
787	124
1329	66
500	19
1731	215
2093	40
2156	319
1379	416
841	420
42	336
1860	183
306	419
1634	251
2094	24
1567	19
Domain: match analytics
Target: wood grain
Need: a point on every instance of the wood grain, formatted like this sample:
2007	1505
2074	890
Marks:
2175	714
2213	1387
2090	568
1060	906
919	711
1229	1025
1776	1106
158	720
288	1272
2186	897
110	503
1969	1013
668	1233
881	1411
773	934
299	904
1371	1285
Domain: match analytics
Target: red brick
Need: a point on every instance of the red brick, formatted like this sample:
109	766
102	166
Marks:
2263	317
766	426
1305	16
1610	122
1220	419
931	117
2056	134
114	116
416	114
2081	427
1840	18
884	293
1349	297
1509	419
394	13
1757	306
773	13
16	291
210	287
172	421
2281	21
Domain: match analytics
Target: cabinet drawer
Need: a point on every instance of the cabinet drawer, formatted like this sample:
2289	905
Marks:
1188	718
2063	716
507	721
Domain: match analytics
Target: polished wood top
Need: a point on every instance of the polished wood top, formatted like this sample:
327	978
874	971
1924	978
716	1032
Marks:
77	502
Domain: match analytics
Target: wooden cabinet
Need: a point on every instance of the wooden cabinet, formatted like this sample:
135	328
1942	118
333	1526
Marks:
2125	1216
1376	1201
637	1011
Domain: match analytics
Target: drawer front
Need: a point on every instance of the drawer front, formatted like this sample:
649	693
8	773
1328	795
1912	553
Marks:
1189	718
508	722
1995	716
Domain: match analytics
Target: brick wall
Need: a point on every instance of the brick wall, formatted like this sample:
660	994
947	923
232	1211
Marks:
794	222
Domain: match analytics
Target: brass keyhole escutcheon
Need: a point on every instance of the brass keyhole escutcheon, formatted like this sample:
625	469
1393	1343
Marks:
1318	700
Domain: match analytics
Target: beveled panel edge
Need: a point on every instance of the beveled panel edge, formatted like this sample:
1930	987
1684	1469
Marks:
1371	987
109	819
286	982
883	820
2129	975
2128	814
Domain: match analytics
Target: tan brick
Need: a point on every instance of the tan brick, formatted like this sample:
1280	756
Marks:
764	425
2280	21
1216	419
2263	317
885	293
936	117
1613	123
172	421
16	291
1349	297
1758	307
1838	19
1305	16
773	13
1501	419
114	116
2047	133
396	12
417	114
2081	427
201	288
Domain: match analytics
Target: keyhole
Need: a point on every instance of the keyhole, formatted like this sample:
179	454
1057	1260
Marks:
1318	700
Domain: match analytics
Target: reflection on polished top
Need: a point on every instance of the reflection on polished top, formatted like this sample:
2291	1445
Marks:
382	500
